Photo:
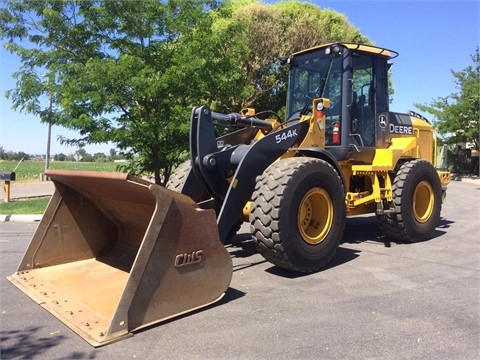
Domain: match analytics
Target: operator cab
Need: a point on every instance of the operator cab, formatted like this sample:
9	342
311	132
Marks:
355	80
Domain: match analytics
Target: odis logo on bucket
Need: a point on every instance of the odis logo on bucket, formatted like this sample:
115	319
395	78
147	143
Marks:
188	258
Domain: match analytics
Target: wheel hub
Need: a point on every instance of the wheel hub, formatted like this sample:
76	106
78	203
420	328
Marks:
315	216
423	202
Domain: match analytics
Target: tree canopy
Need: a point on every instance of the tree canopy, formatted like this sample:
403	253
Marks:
267	32
129	72
458	114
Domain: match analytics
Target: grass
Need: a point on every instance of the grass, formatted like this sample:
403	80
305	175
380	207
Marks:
28	206
30	170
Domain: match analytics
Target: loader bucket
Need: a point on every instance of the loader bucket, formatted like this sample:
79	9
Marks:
114	253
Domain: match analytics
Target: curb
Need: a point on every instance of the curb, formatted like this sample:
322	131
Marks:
466	180
19	218
34	218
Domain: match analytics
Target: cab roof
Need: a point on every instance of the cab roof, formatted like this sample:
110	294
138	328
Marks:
375	50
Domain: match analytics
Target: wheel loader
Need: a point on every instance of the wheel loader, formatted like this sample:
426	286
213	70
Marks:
115	253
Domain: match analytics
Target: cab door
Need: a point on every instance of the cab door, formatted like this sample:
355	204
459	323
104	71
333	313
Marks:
369	98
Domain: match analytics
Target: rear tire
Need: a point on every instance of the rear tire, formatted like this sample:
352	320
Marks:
417	197
297	214
176	181
178	176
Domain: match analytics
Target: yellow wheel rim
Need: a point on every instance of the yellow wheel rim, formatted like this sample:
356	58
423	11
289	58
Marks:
423	201
315	216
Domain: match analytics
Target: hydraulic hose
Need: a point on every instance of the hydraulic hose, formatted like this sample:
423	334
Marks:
241	120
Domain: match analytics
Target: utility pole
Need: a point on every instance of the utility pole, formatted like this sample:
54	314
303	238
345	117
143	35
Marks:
49	121
49	133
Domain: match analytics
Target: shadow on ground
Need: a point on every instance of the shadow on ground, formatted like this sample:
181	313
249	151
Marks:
357	230
30	344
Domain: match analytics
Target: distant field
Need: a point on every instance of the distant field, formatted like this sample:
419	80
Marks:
31	170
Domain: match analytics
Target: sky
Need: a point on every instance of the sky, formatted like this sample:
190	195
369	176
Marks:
433	38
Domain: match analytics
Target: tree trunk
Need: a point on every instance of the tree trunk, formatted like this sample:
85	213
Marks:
156	165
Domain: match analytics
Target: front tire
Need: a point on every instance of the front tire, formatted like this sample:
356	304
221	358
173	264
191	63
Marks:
417	197
297	214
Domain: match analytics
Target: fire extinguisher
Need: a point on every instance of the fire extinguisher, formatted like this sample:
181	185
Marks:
336	133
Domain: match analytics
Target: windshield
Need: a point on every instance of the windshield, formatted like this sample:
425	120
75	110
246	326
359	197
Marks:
307	73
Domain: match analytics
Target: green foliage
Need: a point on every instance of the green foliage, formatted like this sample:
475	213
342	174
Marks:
129	72
457	116
30	206
31	170
11	155
264	32
121	66
101	157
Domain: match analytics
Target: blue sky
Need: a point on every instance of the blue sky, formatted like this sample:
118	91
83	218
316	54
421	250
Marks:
433	37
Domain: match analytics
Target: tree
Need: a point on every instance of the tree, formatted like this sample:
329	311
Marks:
100	157
129	72
10	155
60	157
83	156
116	69
457	116
267	32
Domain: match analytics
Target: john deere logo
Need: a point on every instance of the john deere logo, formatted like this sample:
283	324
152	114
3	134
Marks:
382	120
188	258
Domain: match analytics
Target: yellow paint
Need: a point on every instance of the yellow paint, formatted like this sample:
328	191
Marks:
366	48
6	191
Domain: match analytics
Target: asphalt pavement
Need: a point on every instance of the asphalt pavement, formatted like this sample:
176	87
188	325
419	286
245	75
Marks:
377	299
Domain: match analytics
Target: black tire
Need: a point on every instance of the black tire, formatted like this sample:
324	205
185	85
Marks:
178	177
297	215
417	198
176	181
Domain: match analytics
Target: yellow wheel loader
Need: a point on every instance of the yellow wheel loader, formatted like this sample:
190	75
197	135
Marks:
114	253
